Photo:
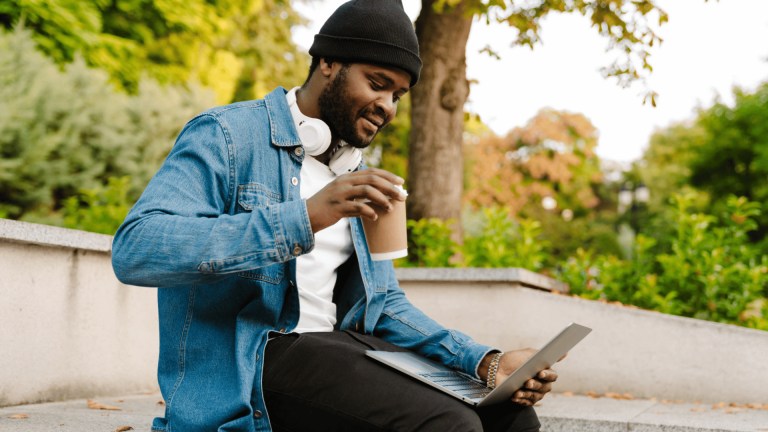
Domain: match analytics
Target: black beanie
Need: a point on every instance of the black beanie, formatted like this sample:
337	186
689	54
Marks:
370	31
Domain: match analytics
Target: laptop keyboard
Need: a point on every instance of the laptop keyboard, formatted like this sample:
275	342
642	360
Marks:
458	383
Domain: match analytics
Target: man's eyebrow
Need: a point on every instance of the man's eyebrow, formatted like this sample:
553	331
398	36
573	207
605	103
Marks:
385	77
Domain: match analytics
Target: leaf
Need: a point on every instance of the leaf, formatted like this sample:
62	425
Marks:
123	428
18	416
92	404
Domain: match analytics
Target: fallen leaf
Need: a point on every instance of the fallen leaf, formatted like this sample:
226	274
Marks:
593	395
18	416
119	400
92	404
698	409
123	428
619	396
568	393
719	405
732	410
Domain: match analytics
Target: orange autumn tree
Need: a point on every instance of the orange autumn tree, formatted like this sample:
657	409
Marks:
549	164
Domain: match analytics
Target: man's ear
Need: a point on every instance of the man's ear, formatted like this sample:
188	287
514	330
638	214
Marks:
329	68
326	67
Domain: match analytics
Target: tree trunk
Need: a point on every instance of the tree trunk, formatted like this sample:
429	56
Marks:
435	165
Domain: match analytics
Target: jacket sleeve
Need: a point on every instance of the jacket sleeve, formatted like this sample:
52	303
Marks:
180	230
403	324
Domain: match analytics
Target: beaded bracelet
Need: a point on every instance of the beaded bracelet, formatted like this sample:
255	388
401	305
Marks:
492	369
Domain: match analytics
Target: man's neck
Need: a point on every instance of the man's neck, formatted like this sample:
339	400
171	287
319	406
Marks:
325	157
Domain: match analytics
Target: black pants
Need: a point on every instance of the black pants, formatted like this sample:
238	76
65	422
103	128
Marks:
323	382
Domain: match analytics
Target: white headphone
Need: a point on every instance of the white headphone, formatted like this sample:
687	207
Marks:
315	136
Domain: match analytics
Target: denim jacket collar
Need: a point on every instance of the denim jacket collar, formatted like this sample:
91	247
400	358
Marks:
281	126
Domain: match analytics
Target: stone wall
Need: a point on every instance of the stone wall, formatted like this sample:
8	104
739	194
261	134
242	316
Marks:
69	329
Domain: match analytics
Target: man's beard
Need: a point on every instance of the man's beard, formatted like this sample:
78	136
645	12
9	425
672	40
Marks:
334	104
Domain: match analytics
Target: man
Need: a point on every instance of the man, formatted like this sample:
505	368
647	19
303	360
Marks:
268	296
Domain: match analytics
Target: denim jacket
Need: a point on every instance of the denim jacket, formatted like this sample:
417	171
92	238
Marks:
218	230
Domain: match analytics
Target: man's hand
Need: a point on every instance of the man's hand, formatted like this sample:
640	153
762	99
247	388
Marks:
351	195
534	389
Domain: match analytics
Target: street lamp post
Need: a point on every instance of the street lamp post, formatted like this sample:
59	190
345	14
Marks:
633	199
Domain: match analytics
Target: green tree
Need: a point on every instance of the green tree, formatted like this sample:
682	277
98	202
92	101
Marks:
733	156
240	48
665	169
443	27
547	171
67	130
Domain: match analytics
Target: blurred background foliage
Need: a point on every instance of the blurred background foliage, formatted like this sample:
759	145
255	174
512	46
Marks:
241	49
93	93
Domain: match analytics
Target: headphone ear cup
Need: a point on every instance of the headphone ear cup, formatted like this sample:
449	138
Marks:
315	135
346	160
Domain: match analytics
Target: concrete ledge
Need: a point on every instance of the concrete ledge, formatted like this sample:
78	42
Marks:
69	327
646	354
44	235
508	276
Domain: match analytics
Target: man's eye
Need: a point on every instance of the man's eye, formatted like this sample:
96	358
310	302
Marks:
376	86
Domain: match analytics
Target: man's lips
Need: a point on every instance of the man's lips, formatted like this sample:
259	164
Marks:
376	124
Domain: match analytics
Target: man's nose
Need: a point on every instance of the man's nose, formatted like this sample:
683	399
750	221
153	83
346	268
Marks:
387	108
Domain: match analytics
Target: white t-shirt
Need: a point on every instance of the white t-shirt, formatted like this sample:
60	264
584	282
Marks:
316	271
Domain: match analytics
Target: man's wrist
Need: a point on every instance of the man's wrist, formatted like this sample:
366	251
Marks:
485	363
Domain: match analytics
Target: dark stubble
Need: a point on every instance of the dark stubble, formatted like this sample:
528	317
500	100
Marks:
335	110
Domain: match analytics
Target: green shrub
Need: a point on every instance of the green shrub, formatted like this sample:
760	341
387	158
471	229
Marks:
99	210
712	271
504	242
430	243
67	130
491	239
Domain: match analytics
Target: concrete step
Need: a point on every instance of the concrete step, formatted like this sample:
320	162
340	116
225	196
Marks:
566	413
558	413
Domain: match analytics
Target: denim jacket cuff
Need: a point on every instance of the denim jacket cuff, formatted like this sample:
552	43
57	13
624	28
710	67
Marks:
292	222
473	356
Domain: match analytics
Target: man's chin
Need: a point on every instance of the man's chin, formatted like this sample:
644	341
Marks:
361	142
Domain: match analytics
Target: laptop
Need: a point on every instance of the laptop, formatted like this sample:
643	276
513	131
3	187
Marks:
471	390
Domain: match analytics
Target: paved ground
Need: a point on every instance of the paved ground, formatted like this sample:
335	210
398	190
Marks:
559	413
562	413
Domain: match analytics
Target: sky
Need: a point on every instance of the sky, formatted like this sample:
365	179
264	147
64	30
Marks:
709	47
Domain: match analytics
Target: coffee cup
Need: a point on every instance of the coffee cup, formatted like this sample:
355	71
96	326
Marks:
387	236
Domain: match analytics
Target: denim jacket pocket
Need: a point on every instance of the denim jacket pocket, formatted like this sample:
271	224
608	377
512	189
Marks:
255	195
272	273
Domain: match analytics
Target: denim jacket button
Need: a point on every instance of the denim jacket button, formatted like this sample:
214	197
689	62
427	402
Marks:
257	414
297	250
294	181
298	151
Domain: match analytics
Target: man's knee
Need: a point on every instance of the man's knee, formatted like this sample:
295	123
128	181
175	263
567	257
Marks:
508	417
449	418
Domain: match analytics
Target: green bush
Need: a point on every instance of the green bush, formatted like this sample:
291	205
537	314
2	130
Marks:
712	271
504	242
99	210
430	243
67	130
491	239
